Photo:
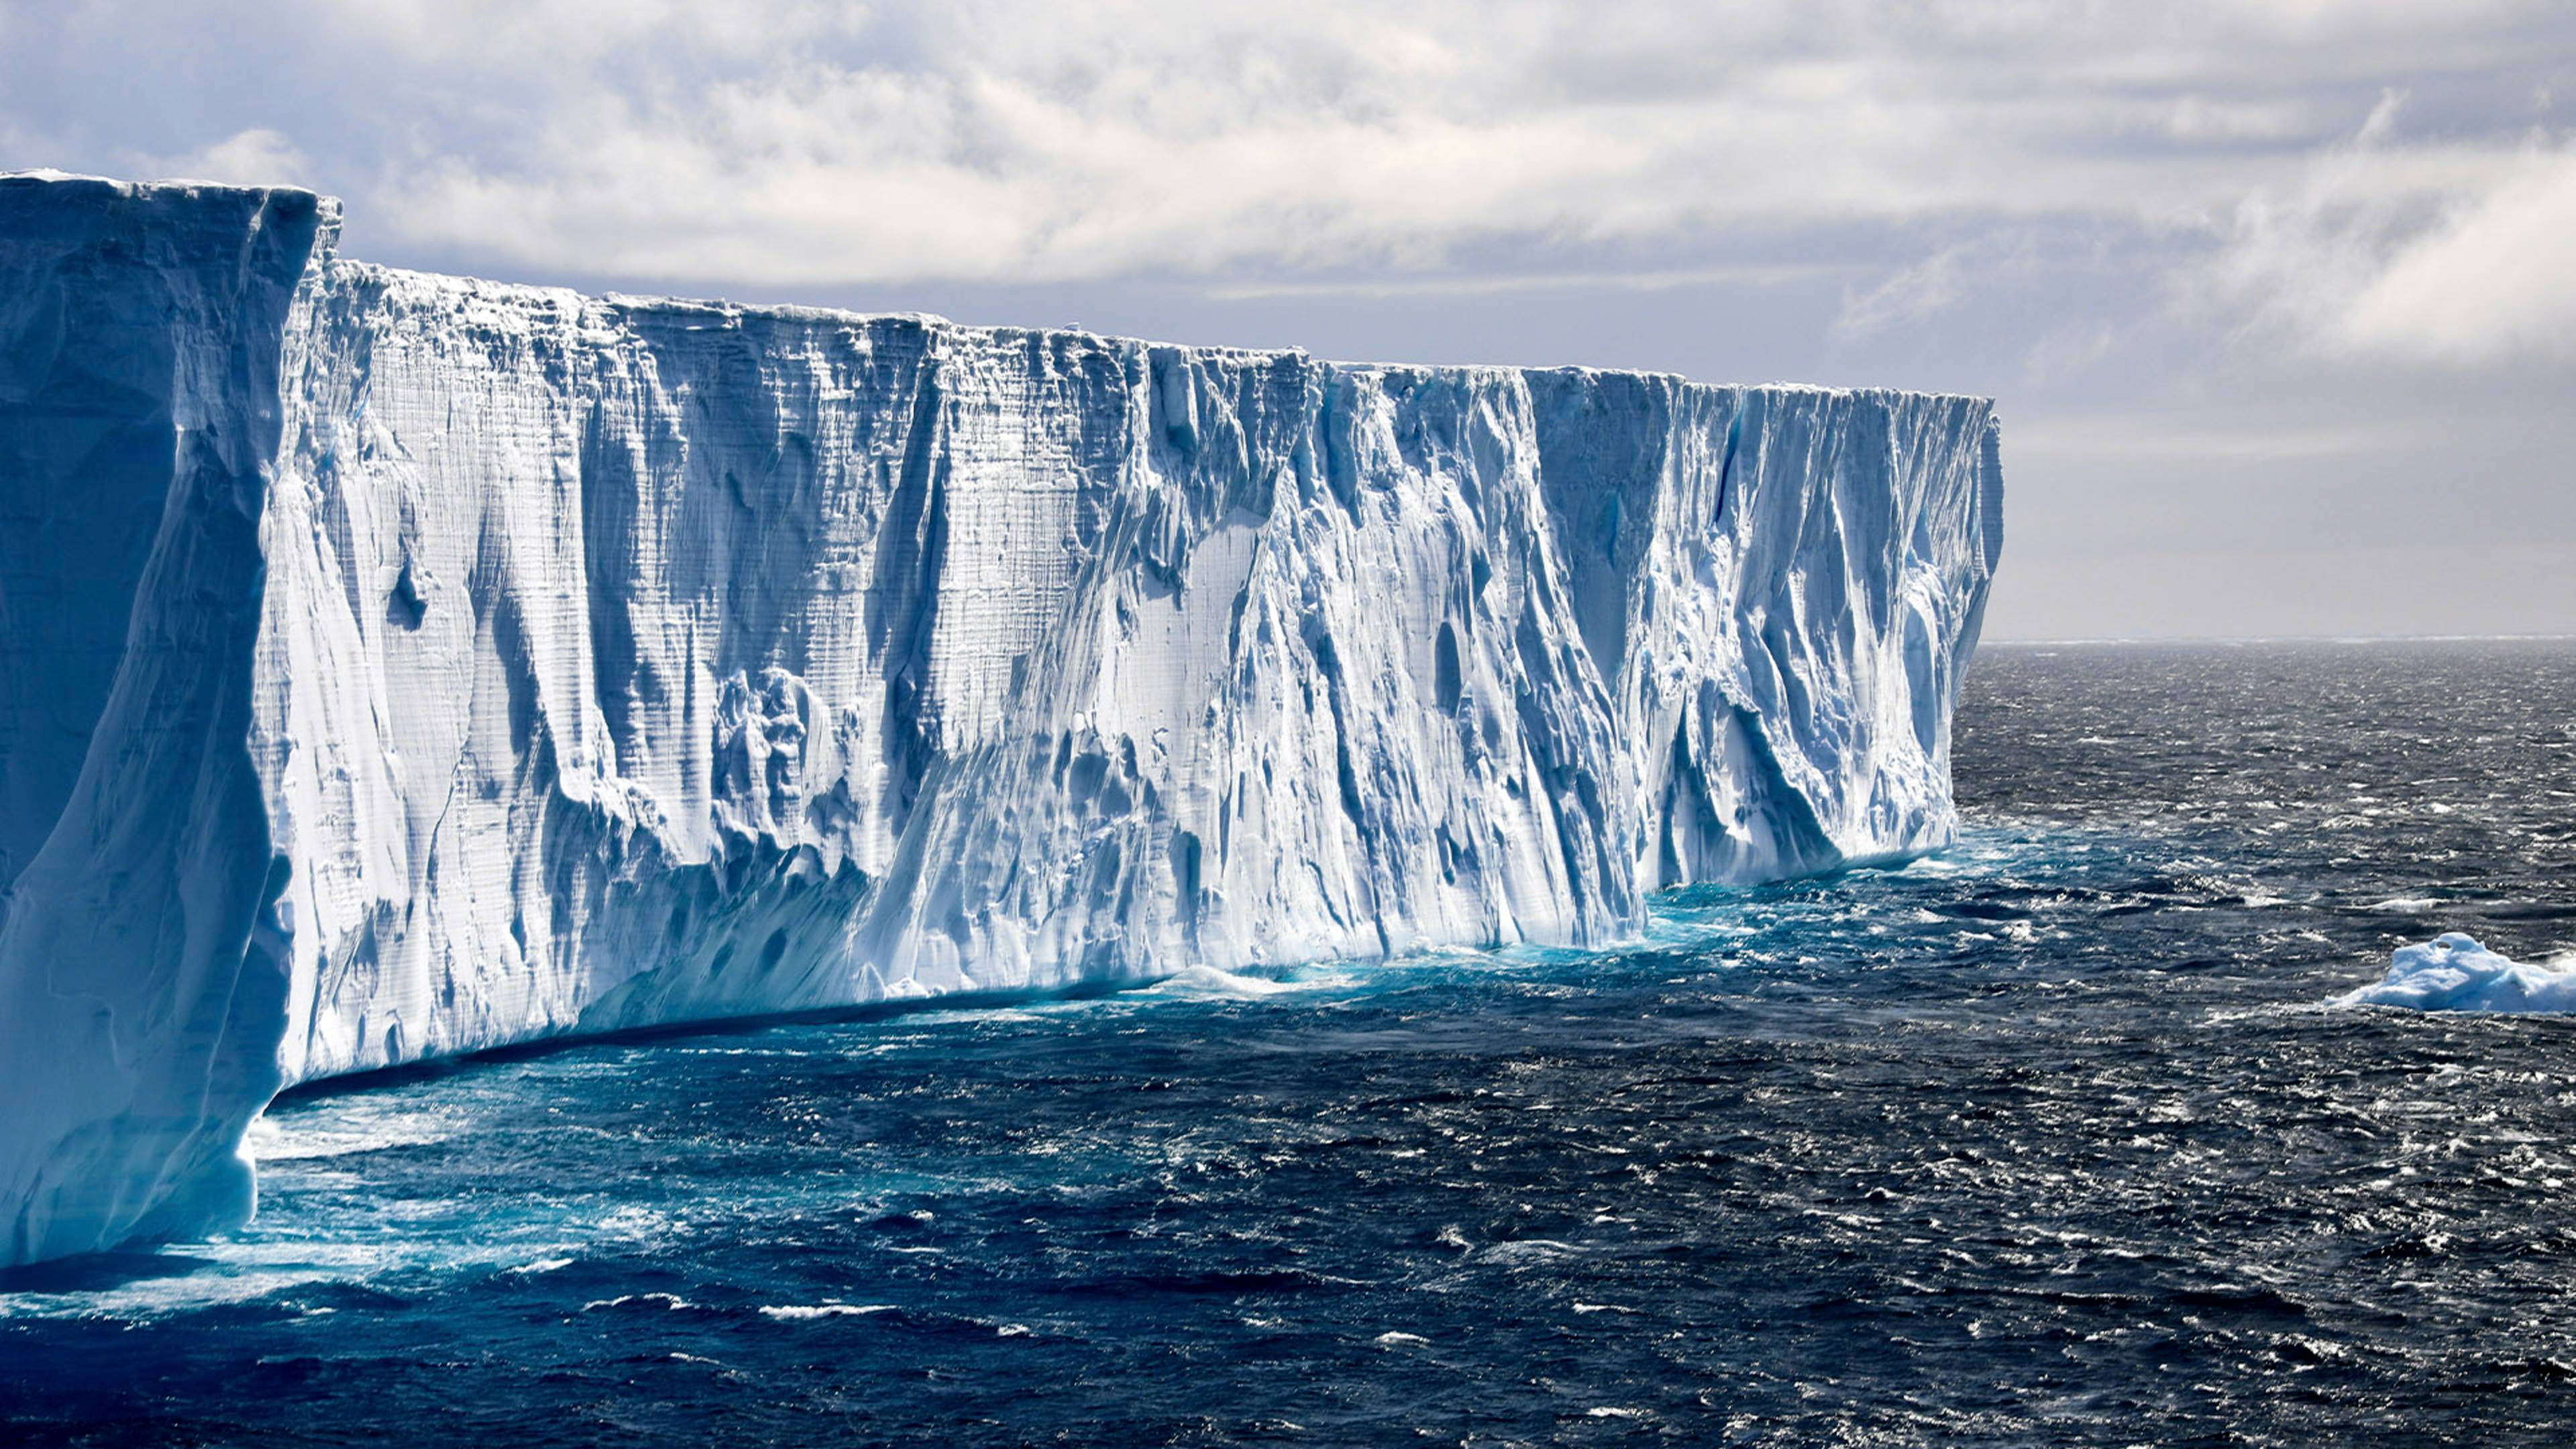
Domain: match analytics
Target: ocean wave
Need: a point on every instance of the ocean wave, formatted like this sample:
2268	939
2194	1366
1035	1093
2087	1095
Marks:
668	1301
1209	981
801	1312
363	1126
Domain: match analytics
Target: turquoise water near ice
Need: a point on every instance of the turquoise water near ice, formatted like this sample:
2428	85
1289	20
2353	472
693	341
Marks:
2050	1138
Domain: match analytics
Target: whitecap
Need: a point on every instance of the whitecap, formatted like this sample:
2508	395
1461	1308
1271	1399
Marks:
342	1130
1531	1250
155	1298
798	1312
671	1301
1209	981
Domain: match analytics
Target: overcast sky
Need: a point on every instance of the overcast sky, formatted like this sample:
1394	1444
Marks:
2278	296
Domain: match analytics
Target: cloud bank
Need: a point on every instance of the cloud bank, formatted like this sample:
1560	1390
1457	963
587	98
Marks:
2446	254
784	143
2271	290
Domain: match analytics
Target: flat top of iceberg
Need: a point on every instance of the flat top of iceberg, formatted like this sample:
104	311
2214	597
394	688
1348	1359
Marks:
724	314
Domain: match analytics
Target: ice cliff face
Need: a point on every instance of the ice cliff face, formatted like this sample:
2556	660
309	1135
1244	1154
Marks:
400	665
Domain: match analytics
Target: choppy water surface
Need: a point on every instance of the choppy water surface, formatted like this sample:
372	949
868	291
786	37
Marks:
2045	1140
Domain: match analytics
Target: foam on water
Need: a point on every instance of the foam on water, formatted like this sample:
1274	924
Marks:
1210	981
799	1312
366	1124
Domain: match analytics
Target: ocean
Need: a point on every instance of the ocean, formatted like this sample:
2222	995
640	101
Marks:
2051	1138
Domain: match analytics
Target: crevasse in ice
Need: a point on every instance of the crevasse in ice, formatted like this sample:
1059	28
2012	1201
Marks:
399	665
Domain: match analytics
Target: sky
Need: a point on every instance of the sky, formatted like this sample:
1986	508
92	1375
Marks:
2277	298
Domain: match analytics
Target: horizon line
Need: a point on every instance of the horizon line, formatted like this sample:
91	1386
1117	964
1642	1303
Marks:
2150	640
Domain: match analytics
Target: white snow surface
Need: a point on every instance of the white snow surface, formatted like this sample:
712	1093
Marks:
2452	972
401	665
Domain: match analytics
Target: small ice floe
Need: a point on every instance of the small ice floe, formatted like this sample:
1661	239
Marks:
2452	972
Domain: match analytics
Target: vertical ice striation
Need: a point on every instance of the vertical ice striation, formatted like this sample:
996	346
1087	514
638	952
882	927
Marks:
142	980
509	663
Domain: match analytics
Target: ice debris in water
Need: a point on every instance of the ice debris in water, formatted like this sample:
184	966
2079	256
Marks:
2452	972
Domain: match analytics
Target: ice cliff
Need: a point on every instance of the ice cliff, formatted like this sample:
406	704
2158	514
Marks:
399	665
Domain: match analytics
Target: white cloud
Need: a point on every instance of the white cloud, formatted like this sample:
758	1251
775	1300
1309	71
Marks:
1341	144
2495	280
2196	439
2423	254
800	142
1749	274
1935	284
2068	352
2199	118
1932	285
256	157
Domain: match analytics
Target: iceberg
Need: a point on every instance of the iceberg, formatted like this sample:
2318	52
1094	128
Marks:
2453	972
401	665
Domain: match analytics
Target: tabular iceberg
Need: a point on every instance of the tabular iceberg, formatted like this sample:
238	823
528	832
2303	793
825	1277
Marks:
399	665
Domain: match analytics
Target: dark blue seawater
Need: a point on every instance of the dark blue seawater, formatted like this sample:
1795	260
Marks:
2047	1140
